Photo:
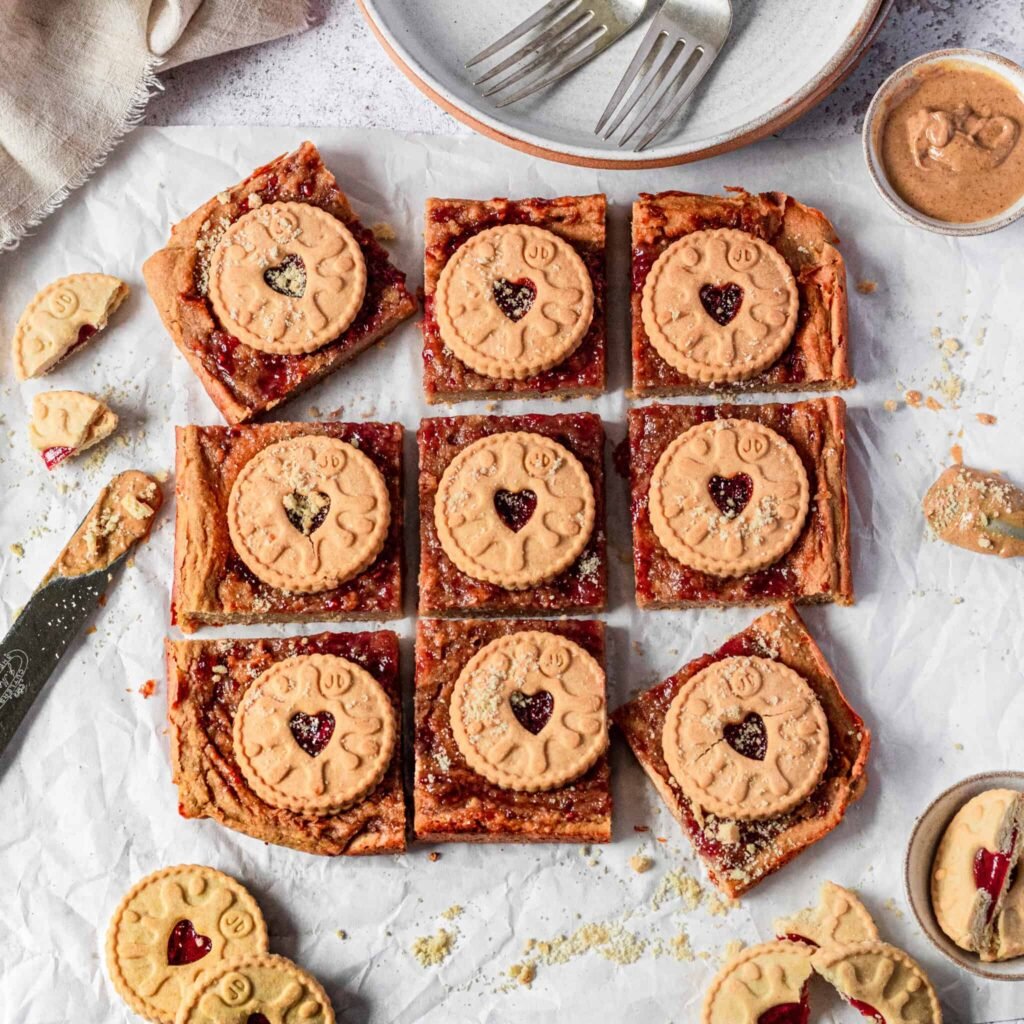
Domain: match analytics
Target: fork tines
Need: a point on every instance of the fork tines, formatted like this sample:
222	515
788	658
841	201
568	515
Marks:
557	39
663	73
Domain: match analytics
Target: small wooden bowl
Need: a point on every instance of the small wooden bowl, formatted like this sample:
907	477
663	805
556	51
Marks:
917	871
892	89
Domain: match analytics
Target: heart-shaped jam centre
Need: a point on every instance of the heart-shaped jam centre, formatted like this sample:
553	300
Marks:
256	1018
185	945
312	732
306	511
532	710
515	508
721	301
749	737
731	493
288	277
867	1010
786	1013
514	298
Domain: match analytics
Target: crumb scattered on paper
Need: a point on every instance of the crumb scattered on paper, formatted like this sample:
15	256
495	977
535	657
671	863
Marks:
641	863
890	405
148	688
987	419
452	912
433	950
17	550
867	287
523	973
678	885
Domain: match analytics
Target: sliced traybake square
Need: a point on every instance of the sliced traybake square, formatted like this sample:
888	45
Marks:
514	298
273	284
521	666
288	522
211	682
739	504
512	515
761	755
752	296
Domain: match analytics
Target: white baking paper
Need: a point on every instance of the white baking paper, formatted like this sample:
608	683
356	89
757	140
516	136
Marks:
930	655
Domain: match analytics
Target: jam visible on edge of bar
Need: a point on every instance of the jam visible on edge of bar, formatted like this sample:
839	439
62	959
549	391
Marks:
581	799
576	370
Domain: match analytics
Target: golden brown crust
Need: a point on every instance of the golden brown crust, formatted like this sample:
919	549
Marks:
206	680
579	220
817	358
739	855
212	585
815	570
455	804
241	381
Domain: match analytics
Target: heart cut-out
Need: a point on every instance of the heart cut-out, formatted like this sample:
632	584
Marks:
515	508
306	512
256	1018
786	1013
288	277
532	710
731	493
312	732
514	298
185	945
749	737
867	1010
722	302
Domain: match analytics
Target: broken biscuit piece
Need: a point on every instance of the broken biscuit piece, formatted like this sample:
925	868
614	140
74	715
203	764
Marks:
61	318
65	423
976	510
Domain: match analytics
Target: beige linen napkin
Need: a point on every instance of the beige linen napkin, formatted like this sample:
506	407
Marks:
75	76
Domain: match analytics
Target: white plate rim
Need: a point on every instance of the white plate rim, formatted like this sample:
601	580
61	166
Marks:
816	88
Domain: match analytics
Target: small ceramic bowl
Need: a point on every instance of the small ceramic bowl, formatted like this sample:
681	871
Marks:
917	871
893	89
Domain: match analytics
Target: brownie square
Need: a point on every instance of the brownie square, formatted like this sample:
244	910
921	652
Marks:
580	221
446	590
759	847
451	801
816	359
815	570
242	381
214	586
206	680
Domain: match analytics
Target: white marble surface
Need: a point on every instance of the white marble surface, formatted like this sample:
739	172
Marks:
337	74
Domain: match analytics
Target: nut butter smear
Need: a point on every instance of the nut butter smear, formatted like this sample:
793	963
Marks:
951	146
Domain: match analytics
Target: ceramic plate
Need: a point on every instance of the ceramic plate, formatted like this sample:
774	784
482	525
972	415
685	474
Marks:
783	56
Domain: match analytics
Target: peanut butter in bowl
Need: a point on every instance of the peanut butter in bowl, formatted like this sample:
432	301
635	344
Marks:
945	141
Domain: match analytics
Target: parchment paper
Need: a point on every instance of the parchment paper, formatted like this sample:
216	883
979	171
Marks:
930	654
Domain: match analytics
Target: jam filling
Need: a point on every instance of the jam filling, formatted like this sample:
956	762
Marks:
731	493
256	1018
515	508
867	1010
795	937
788	1013
532	711
288	277
56	455
514	298
748	737
990	870
722	302
185	945
312	732
307	512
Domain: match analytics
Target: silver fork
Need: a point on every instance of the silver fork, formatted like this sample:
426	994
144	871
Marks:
557	39
682	43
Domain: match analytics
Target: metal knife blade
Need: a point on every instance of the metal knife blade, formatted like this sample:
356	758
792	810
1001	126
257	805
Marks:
66	598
